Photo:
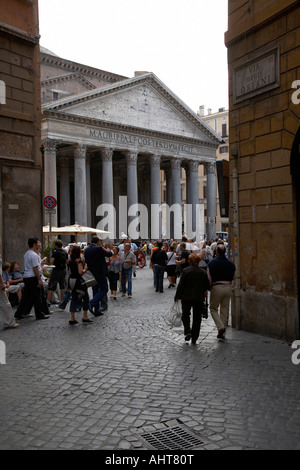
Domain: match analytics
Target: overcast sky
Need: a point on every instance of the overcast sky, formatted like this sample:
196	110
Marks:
182	43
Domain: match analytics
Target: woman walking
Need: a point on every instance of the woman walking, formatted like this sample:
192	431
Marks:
128	260
171	267
79	293
114	271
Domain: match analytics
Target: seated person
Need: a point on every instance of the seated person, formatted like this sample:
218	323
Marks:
11	288
16	277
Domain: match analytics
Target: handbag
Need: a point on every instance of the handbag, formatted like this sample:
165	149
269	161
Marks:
77	285
175	315
89	279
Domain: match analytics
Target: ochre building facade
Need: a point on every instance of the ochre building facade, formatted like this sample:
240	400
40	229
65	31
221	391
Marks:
263	41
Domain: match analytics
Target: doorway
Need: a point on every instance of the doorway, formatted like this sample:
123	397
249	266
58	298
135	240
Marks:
295	172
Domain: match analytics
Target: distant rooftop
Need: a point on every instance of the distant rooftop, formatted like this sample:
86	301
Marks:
44	50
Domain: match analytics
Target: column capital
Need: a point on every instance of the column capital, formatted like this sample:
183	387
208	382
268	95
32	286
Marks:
193	165
155	160
50	145
107	154
211	167
79	151
175	163
131	158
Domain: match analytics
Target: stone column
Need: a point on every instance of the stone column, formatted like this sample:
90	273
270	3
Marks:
108	191
50	175
117	194
155	197
168	186
211	200
88	194
107	177
193	198
132	186
175	216
80	184
64	186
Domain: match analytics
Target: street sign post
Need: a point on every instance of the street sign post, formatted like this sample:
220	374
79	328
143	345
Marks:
50	204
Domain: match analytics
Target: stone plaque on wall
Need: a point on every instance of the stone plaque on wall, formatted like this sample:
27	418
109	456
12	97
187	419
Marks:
258	75
15	146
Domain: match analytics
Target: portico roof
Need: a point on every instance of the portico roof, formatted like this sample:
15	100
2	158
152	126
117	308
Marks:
142	103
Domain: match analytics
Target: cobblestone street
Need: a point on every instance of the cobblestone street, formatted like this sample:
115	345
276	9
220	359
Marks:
129	375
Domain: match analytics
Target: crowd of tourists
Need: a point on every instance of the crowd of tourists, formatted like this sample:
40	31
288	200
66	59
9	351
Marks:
192	269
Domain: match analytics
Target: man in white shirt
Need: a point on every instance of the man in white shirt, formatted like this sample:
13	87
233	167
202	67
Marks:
33	283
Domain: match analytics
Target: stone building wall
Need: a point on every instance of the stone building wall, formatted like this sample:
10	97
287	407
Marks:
61	77
20	127
263	41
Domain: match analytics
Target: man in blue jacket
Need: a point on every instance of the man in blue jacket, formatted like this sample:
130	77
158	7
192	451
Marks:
95	256
221	273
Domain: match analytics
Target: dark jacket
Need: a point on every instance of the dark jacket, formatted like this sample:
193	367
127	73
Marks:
159	257
59	257
221	269
95	259
192	284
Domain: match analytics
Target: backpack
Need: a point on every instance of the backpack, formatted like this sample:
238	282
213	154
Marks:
60	258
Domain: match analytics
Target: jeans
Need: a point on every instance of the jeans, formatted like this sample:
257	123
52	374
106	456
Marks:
127	273
65	300
159	277
99	292
78	300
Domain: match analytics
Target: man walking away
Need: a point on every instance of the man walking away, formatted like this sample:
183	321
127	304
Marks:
191	289
95	256
58	274
221	272
159	260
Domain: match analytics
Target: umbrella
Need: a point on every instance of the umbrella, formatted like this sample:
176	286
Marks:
73	230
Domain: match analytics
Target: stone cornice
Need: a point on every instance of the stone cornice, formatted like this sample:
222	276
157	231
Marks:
16	32
79	68
56	115
67	77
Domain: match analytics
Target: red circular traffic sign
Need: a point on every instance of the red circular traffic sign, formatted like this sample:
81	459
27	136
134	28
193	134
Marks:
49	202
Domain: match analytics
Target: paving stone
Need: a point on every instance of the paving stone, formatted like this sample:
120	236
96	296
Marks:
100	386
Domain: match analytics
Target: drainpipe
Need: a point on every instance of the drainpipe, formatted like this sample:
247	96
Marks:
236	247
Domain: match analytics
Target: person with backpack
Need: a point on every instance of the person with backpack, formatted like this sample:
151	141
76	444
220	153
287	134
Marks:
58	274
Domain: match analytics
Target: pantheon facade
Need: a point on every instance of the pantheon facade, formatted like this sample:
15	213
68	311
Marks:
106	140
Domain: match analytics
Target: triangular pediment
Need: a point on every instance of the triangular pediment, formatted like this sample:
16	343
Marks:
142	102
67	82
